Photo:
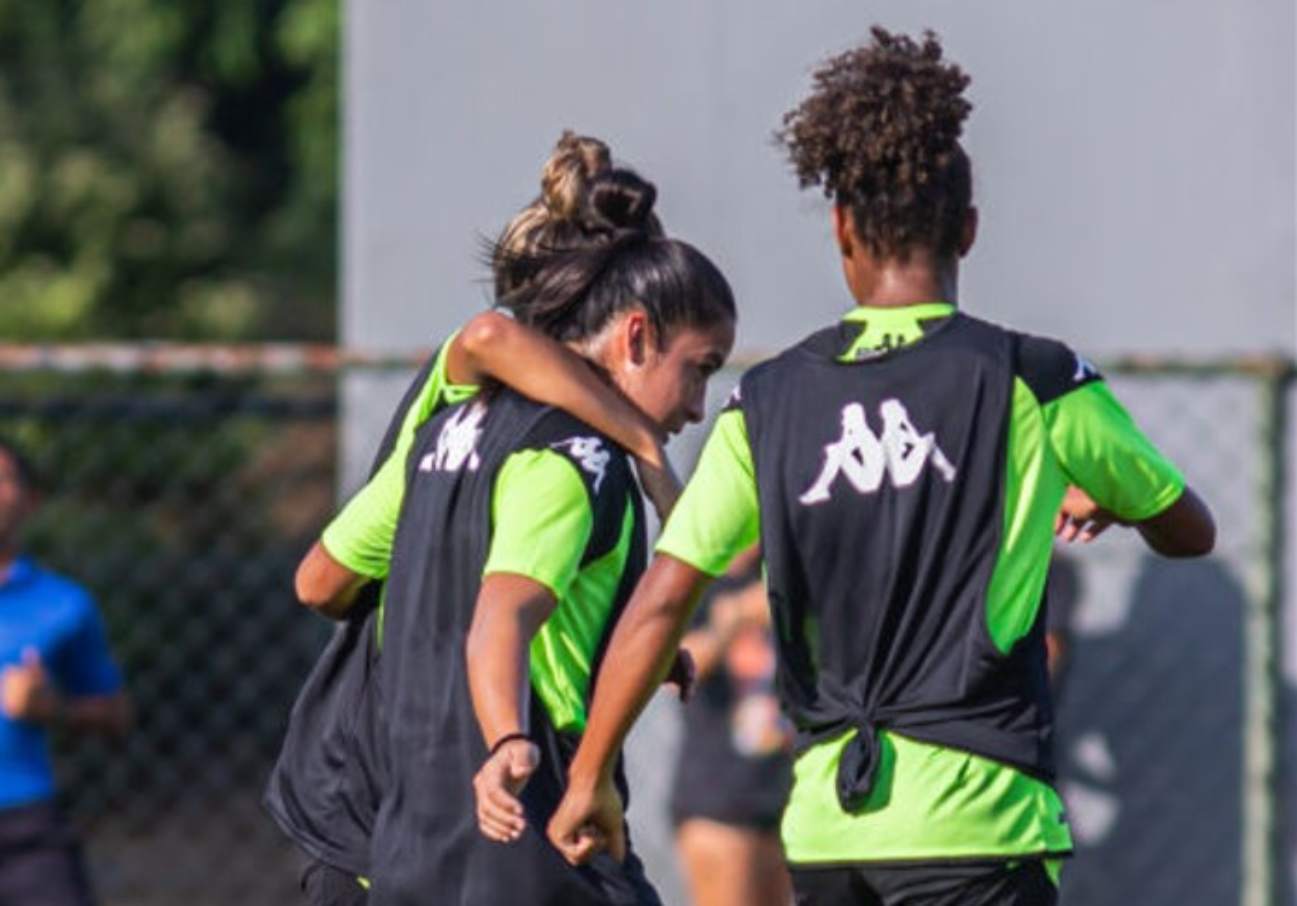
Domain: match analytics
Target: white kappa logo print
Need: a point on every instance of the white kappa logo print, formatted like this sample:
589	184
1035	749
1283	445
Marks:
864	458
457	442
590	453
1084	369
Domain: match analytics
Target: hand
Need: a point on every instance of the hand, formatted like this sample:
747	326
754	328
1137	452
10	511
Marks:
497	785
1081	519
661	485
26	692
683	674
589	820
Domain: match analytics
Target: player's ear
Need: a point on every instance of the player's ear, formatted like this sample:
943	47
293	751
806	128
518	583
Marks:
843	231
637	332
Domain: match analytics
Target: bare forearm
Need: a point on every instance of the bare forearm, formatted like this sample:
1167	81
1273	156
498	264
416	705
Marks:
498	676
639	657
509	612
495	346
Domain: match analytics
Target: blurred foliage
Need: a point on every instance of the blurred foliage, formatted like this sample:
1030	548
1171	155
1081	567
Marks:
168	168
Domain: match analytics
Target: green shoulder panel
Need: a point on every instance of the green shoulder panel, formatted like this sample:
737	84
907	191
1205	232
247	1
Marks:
541	520
1033	489
360	536
717	517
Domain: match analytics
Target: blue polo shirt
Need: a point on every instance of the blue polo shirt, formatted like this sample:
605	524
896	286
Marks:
56	617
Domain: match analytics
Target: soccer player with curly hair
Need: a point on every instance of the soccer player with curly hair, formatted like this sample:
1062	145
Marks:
903	470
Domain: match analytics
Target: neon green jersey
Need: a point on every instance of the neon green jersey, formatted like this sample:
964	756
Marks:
929	801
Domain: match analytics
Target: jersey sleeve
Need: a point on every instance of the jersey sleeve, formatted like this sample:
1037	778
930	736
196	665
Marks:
83	664
1104	453
1099	446
360	537
541	520
717	516
558	503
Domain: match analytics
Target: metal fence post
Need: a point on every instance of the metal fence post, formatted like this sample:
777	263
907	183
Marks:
1264	627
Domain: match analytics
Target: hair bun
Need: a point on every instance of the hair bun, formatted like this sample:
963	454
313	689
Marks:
577	160
621	200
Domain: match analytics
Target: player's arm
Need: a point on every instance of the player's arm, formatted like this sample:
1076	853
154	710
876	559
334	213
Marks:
643	648
1125	479
493	345
28	694
737	601
717	517
355	547
1184	529
509	612
80	688
543	519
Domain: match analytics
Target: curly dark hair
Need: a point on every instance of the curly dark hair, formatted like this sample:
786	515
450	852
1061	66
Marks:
880	132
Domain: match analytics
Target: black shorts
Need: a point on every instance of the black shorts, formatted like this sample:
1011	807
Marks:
324	885
40	859
1021	883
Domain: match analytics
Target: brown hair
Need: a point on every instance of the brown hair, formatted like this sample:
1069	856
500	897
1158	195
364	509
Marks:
563	216
880	132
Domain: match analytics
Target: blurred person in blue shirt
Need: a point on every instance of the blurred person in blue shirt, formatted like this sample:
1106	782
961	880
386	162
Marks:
55	672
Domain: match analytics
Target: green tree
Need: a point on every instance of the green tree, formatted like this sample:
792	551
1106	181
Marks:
168	168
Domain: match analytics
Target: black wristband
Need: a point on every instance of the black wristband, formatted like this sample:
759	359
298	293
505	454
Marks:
506	738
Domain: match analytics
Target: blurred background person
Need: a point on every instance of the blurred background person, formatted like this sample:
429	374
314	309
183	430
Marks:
56	672
735	768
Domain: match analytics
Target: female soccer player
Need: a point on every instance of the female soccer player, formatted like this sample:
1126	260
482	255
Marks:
519	540
323	791
902	469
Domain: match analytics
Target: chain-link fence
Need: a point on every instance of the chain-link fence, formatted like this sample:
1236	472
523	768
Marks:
183	496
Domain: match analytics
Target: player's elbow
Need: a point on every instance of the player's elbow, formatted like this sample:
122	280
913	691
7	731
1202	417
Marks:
310	593
1186	529
484	332
321	584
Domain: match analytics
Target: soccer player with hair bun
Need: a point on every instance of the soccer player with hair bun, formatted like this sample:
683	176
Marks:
903	470
325	787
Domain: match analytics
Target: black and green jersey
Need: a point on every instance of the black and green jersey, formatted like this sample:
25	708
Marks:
498	485
902	470
323	791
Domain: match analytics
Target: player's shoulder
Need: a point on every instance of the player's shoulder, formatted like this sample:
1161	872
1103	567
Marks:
1050	368
56	590
602	464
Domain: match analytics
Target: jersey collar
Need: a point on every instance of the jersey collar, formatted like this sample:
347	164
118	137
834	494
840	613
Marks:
884	329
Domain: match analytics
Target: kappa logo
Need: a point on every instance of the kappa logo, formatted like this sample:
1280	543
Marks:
865	458
457	442
590	453
1084	369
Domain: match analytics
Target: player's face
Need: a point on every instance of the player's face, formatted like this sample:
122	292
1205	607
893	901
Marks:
670	384
15	500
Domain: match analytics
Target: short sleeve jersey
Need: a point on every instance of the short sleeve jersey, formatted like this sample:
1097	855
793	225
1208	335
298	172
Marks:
1063	427
499	485
55	619
360	537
